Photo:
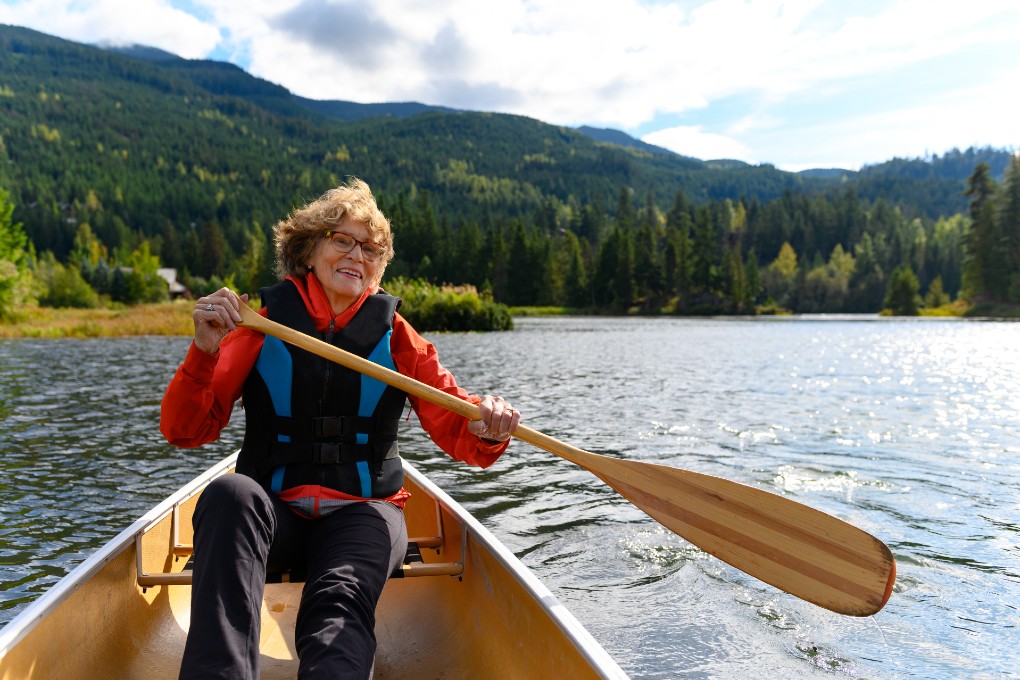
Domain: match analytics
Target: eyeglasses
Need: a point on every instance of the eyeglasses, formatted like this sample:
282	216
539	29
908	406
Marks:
345	243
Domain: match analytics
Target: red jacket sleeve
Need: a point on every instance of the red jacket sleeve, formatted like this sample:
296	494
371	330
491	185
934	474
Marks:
200	397
417	358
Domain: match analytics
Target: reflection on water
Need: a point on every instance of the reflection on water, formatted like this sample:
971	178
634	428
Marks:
907	429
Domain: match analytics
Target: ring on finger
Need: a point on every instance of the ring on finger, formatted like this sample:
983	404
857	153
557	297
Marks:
208	308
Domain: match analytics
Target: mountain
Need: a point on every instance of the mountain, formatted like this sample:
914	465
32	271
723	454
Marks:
140	51
349	111
132	139
620	138
827	173
949	171
194	140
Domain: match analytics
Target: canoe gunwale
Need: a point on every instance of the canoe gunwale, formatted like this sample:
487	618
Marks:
471	530
18	627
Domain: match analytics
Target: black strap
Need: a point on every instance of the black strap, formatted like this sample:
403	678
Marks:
328	453
343	428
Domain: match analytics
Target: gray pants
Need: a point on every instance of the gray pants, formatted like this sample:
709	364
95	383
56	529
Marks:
241	532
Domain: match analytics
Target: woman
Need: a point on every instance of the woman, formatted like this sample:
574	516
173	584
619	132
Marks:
320	483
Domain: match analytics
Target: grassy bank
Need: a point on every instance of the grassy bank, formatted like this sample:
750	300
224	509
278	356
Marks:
165	318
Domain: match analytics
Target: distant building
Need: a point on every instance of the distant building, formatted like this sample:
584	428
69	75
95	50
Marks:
169	274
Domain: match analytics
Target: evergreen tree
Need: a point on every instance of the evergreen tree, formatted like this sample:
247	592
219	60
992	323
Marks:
902	298
648	268
732	276
705	251
626	216
469	255
214	250
576	283
680	269
498	256
752	283
984	265
592	224
605	270
624	288
1008	227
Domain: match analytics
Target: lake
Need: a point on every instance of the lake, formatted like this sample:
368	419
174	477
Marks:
905	428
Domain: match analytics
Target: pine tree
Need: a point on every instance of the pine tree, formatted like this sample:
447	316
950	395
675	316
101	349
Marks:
680	262
576	283
1008	227
981	266
705	251
624	288
752	282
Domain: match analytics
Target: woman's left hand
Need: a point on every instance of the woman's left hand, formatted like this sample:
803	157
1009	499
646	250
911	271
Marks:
498	422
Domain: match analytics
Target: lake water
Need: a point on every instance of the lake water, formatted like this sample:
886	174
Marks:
905	428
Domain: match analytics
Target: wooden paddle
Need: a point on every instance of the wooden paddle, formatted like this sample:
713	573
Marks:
791	546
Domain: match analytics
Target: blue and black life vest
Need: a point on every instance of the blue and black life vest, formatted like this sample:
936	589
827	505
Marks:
313	421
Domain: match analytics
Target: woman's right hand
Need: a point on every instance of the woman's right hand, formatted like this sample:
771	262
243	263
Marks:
216	315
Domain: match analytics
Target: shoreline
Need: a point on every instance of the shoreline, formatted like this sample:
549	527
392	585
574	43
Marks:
174	319
163	318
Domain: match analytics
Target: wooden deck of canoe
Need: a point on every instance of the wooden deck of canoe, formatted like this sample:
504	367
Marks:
472	610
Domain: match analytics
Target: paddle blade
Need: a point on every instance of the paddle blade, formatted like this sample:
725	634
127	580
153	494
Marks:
786	544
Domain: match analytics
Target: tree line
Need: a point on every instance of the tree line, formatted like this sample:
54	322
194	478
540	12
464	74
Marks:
117	167
831	252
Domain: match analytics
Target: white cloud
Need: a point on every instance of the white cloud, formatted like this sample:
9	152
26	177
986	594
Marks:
147	22
609	63
978	116
692	140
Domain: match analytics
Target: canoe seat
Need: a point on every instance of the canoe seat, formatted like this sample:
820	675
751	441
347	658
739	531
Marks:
413	565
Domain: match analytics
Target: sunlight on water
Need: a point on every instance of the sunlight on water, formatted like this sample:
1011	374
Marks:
905	428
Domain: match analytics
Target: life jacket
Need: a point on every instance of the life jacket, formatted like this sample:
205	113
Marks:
310	421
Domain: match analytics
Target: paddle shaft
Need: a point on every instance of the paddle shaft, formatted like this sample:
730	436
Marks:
791	546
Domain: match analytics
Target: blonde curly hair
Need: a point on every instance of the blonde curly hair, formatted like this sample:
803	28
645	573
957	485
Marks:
298	235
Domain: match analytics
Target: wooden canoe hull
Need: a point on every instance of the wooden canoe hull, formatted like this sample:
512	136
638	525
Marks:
493	620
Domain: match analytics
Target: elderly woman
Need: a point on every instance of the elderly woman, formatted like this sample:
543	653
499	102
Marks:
320	483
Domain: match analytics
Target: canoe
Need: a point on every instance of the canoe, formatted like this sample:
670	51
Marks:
468	609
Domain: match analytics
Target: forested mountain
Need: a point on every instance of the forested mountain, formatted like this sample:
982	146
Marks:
187	141
192	161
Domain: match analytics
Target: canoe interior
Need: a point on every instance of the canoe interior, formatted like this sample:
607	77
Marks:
491	622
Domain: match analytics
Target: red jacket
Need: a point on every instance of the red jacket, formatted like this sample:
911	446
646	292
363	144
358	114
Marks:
202	393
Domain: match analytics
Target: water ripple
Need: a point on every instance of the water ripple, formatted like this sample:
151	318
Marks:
908	430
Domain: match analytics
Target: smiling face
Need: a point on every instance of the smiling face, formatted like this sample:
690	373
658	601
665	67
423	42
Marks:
345	276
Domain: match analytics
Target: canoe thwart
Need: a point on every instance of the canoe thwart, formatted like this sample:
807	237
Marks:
413	565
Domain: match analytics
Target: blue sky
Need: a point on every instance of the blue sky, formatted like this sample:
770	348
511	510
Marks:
799	84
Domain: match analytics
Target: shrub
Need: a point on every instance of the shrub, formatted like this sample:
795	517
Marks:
63	286
428	307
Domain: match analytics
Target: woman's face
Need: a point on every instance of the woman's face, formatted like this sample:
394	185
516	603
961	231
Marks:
345	276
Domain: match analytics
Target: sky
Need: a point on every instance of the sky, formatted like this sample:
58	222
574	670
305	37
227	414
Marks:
798	84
